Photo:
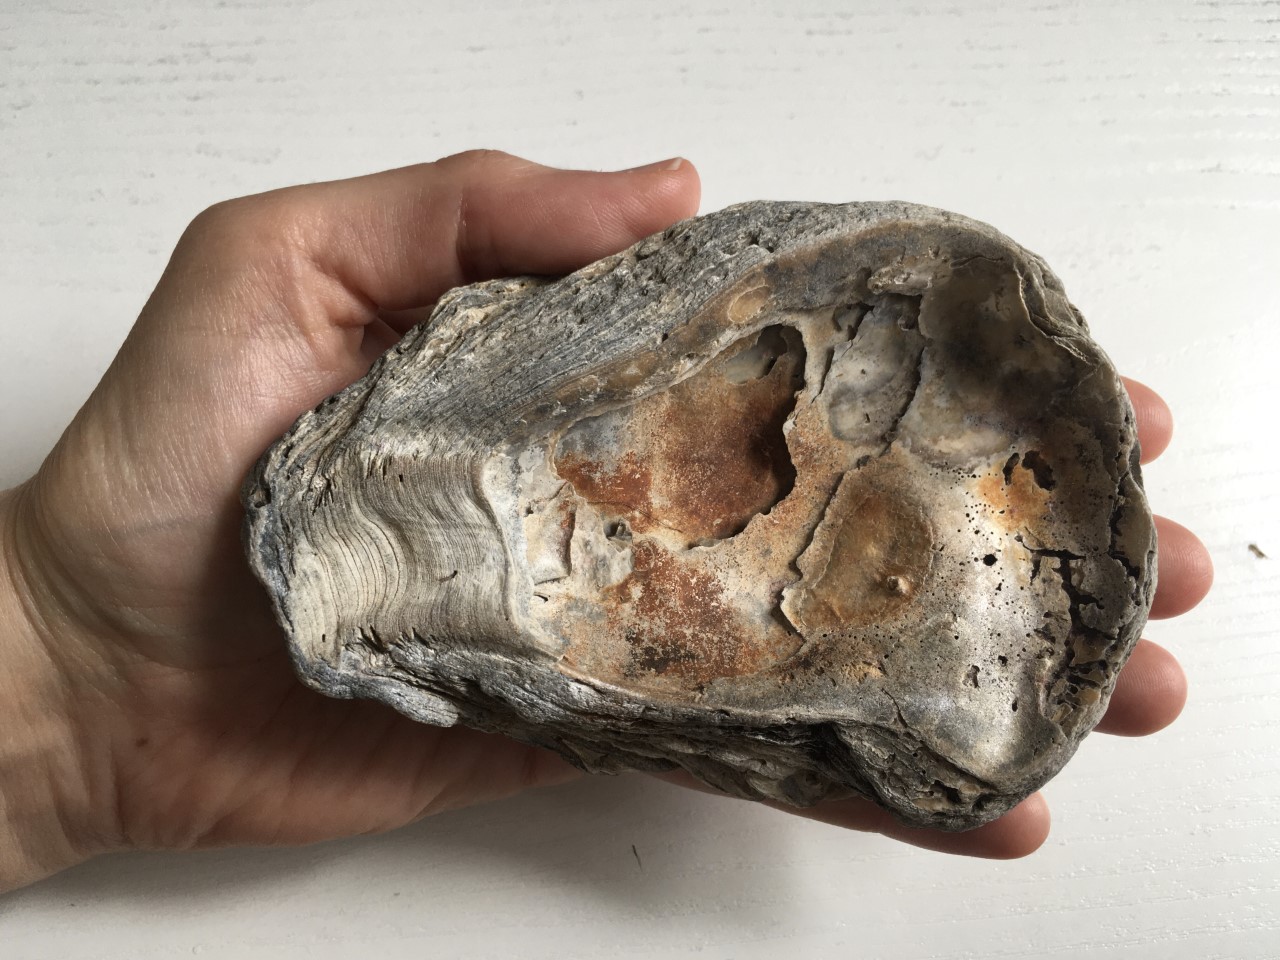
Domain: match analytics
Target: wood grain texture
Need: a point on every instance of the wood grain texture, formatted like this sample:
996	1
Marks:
1135	146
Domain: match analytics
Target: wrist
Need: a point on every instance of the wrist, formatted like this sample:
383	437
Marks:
47	814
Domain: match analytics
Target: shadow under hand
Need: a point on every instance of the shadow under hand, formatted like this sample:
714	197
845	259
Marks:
603	844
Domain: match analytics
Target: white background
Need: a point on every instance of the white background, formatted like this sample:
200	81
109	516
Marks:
1135	145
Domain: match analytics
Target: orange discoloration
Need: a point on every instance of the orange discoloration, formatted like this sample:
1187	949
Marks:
623	483
702	458
1017	502
698	460
677	623
878	556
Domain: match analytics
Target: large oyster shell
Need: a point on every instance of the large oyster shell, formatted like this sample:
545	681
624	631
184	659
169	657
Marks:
807	499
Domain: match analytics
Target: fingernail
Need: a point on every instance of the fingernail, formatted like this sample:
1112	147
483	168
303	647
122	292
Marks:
674	163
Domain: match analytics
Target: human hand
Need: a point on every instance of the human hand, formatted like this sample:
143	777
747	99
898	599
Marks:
146	697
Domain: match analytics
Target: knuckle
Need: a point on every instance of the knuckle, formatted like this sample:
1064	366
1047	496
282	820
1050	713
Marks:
246	222
481	157
247	234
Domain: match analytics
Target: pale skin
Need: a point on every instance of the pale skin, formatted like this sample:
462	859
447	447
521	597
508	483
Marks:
146	699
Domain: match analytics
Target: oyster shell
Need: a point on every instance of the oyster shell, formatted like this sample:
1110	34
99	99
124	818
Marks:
810	500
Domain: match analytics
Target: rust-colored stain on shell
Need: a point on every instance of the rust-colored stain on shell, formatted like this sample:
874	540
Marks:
622	482
677	622
1019	495
671	624
878	554
699	460
704	457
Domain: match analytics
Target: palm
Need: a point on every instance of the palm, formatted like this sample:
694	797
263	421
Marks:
279	762
195	641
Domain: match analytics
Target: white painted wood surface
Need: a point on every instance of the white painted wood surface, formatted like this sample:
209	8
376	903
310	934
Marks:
1136	145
